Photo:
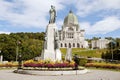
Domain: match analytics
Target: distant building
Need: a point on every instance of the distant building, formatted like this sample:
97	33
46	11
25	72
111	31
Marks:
71	36
100	43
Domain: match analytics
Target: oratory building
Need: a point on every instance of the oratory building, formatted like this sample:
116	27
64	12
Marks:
71	36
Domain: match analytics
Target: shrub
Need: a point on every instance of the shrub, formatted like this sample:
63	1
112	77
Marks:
82	61
9	64
48	64
103	65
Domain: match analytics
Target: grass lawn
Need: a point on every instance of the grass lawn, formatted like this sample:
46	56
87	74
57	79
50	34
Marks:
85	52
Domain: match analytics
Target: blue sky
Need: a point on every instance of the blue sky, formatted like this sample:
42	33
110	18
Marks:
99	18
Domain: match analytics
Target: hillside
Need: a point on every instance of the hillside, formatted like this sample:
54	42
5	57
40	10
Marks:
85	52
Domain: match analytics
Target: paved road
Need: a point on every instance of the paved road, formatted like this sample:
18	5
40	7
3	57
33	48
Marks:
92	75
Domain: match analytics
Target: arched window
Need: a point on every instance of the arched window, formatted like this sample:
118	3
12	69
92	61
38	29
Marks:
61	45
73	44
70	29
65	45
78	45
69	45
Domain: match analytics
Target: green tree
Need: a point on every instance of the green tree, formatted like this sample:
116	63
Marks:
30	47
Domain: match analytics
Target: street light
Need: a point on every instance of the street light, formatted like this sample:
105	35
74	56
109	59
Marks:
18	55
17	49
20	61
112	46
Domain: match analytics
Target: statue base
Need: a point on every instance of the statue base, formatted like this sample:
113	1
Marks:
50	51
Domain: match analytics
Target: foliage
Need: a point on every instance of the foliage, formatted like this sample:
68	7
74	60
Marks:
82	61
109	54
29	47
48	64
113	51
103	65
9	64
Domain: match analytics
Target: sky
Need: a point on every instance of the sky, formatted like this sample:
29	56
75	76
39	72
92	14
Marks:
99	18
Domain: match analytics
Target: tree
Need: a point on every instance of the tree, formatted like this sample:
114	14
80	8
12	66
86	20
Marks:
8	51
111	45
113	50
30	47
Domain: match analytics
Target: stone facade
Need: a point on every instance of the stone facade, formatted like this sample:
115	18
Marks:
71	36
101	43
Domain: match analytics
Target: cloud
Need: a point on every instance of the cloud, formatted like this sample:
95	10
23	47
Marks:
59	24
27	13
35	13
104	26
86	7
3	32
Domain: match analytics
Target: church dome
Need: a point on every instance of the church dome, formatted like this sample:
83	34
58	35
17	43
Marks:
71	19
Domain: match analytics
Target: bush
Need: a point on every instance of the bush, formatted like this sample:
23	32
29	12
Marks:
103	65
9	64
82	61
48	64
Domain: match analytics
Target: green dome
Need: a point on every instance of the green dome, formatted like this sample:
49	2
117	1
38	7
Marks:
71	19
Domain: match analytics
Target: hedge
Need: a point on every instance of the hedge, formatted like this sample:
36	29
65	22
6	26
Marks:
103	65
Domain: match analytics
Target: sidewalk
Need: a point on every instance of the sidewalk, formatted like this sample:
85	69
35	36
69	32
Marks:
92	75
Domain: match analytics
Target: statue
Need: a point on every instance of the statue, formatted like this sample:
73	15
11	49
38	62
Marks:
51	42
52	14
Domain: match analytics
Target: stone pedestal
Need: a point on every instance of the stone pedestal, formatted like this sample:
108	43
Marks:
51	51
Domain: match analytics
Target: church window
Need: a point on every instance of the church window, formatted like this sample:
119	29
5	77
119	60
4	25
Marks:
70	29
61	45
69	45
65	45
78	45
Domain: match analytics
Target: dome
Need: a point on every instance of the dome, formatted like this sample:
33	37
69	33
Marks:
71	19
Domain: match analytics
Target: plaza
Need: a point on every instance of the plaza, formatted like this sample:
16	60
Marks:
91	75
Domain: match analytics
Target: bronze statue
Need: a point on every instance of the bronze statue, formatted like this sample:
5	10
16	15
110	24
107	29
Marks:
52	14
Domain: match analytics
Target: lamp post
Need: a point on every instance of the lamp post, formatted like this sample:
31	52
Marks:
112	45
18	55
17	50
20	61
